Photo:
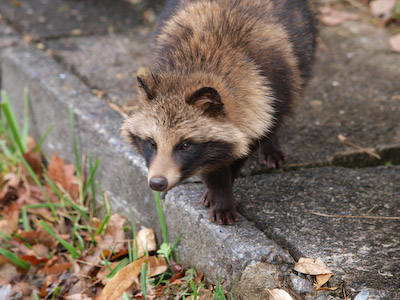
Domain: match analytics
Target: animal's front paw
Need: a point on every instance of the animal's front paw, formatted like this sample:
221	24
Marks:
223	216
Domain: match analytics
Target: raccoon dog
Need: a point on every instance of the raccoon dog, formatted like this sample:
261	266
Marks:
224	76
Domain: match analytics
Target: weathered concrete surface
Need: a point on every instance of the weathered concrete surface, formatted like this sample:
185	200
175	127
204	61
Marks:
217	250
52	90
55	18
8	38
361	251
108	63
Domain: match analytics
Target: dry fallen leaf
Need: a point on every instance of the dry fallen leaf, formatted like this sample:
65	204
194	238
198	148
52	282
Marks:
394	42
382	7
311	266
78	297
332	17
146	239
64	175
316	267
157	266
122	280
115	236
322	279
40	236
24	288
127	276
8	272
277	294
9	225
33	159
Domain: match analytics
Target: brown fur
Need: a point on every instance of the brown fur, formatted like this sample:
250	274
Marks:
250	55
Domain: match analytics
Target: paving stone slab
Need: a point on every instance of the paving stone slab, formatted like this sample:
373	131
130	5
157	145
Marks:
52	89
55	18
108	63
362	251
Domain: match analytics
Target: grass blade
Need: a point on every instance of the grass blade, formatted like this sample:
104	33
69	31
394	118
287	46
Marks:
14	259
12	123
92	186
125	296
106	262
65	244
143	278
91	177
103	224
134	255
76	152
121	264
25	126
161	217
43	138
176	242
76	234
6	150
25	220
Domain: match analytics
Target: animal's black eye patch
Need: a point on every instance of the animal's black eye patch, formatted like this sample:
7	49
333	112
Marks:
147	148
208	154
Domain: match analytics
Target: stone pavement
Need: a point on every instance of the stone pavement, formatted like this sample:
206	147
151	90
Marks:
330	201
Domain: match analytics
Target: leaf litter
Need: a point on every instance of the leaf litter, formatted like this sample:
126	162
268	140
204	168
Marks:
54	244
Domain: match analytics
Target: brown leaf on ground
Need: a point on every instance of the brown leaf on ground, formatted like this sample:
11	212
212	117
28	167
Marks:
176	278
9	225
311	266
146	239
382	7
40	250
115	235
64	175
157	266
9	190
102	274
8	272
322	279
277	294
122	280
56	265
78	297
40	236
394	42
33	259
24	288
332	17
34	160
127	276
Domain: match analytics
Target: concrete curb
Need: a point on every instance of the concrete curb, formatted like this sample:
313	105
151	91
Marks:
225	250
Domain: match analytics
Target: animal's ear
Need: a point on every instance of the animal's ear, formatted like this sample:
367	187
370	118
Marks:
208	99
145	87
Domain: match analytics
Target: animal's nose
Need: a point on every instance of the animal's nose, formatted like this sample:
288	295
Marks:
158	183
